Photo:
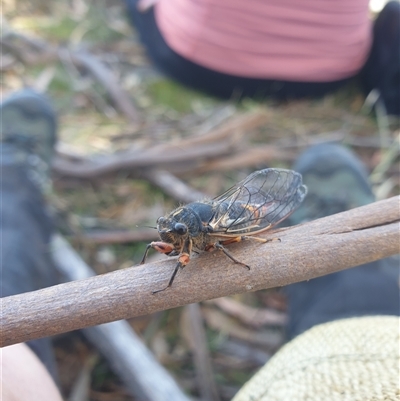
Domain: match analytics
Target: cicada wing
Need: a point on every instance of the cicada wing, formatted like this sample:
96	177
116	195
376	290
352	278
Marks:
260	201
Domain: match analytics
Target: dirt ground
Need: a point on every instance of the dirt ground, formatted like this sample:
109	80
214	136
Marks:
54	47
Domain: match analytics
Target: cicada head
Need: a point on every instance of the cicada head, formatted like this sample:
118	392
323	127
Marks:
170	230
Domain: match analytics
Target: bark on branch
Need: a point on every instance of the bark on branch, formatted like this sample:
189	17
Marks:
306	251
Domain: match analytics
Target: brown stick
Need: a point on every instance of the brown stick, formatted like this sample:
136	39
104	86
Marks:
200	152
249	315
310	250
110	82
152	158
197	341
238	125
252	156
118	237
173	186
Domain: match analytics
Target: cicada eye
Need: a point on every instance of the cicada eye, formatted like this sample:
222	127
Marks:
161	220
180	229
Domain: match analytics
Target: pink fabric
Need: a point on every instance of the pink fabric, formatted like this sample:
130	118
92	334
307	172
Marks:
295	40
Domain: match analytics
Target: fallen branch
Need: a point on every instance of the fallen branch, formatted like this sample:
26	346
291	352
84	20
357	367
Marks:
108	79
267	338
219	156
249	315
172	155
100	237
173	186
196	338
306	251
237	125
222	148
251	156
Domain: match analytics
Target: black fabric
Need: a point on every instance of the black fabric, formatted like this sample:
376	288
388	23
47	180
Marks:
25	261
212	82
382	69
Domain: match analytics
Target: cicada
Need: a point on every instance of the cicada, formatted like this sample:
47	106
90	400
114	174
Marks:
254	205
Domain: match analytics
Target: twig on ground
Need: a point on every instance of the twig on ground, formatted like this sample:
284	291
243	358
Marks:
251	156
106	78
306	251
267	338
180	158
173	186
238	125
118	237
196	338
255	317
221	148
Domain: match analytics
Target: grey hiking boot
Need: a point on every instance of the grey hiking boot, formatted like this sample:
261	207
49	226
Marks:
27	138
336	181
28	133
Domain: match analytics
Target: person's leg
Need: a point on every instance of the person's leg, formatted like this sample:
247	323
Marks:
337	181
382	69
27	138
23	376
212	82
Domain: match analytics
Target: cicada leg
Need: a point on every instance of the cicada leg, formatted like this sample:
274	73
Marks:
161	247
248	237
220	245
143	261
183	260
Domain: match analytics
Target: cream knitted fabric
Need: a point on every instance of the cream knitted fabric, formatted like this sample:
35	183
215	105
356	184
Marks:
353	359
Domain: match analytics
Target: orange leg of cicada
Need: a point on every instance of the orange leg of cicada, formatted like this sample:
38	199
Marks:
220	245
183	260
159	246
246	238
